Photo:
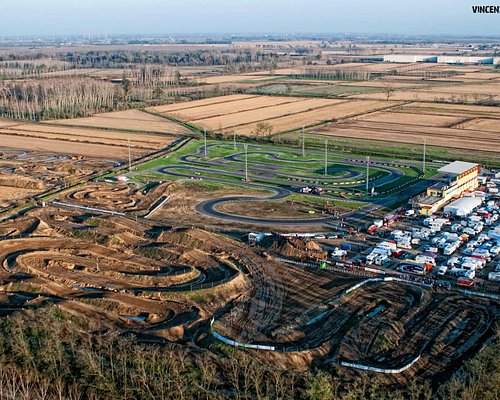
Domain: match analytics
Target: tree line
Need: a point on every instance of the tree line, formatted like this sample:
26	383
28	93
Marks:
47	353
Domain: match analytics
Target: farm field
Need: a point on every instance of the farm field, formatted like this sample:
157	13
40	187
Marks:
282	114
133	120
469	93
233	78
386	132
81	141
491	125
315	90
169	108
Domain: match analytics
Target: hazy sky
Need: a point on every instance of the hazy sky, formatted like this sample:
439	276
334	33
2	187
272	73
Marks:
54	17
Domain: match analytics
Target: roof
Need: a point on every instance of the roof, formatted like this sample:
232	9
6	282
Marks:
464	202
457	167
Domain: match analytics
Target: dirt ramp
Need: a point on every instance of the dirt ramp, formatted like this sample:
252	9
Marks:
293	247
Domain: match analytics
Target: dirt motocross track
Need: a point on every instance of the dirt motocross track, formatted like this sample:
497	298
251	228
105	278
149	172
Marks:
162	283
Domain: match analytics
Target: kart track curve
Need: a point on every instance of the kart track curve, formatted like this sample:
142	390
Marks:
268	176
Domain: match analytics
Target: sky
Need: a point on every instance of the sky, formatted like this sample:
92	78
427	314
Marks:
64	17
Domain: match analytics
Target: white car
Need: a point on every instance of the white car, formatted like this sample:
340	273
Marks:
338	252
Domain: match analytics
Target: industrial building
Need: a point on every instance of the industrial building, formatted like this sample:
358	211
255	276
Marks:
465	60
452	180
414	58
409	58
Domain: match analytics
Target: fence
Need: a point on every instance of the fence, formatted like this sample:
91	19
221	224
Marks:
234	343
381	370
58	203
155	208
473	293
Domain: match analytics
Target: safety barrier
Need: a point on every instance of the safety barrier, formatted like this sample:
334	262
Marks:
234	343
100	210
157	207
472	293
381	370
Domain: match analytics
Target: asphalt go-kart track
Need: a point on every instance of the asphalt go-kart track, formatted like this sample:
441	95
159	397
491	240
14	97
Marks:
284	171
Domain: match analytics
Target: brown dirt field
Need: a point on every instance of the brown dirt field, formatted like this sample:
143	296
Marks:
343	109
272	209
22	182
444	137
6	123
168	108
129	120
492	125
248	117
97	136
398	117
8	194
233	107
63	147
477	76
452	93
454	108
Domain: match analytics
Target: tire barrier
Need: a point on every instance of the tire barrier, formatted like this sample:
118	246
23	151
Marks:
234	343
381	370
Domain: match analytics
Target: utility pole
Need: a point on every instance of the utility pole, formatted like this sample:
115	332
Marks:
326	157
367	173
303	143
205	134
234	137
246	162
129	158
423	163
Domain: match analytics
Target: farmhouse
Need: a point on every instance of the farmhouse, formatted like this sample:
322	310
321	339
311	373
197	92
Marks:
452	180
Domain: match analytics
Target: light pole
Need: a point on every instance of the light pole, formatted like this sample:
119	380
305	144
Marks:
367	173
326	157
234	137
205	134
303	143
246	162
423	163
129	157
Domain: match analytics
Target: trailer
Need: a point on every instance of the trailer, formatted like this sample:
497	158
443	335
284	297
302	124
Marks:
466	282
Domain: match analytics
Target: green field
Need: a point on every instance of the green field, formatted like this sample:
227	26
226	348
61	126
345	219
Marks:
314	90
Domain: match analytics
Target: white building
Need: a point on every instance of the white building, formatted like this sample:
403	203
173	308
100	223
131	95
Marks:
463	207
464	60
409	58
